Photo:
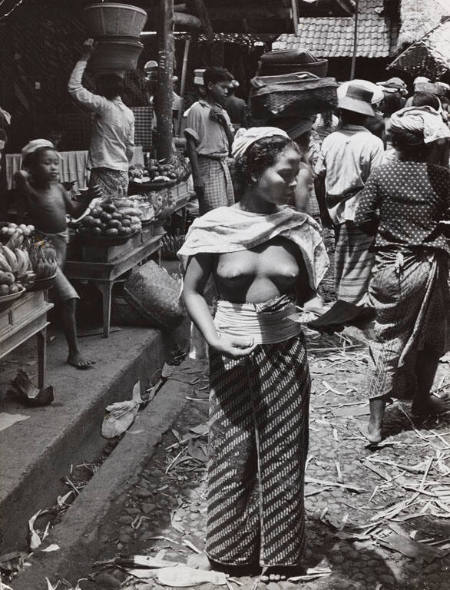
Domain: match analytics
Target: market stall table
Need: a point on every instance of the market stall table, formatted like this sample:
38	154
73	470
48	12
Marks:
21	320
105	274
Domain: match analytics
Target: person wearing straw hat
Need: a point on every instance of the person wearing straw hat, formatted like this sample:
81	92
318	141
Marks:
404	204
347	157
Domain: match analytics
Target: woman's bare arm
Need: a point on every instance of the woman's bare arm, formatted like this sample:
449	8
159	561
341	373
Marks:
198	271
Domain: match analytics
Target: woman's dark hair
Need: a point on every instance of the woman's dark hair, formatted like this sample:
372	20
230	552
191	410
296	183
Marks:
409	145
30	161
259	156
110	85
392	102
422	99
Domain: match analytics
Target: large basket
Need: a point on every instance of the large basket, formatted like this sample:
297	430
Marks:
290	95
318	68
288	56
112	19
115	55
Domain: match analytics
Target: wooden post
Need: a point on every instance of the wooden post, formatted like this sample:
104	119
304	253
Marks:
355	41
187	45
295	16
164	91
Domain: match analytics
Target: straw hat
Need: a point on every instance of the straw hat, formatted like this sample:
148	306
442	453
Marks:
357	96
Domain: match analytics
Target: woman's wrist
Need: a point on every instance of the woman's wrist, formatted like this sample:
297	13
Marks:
213	340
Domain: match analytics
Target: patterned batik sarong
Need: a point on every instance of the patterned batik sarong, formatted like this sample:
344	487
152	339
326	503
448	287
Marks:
258	442
113	183
353	263
409	291
218	184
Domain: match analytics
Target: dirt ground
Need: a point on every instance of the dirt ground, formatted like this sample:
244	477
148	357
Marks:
377	518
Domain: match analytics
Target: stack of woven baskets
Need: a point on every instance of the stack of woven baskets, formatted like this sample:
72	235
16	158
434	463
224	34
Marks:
289	83
116	28
291	61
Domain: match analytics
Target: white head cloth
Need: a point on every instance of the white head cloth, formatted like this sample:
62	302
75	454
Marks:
230	229
424	121
244	138
36	144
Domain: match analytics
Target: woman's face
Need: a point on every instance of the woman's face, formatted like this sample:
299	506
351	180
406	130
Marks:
277	183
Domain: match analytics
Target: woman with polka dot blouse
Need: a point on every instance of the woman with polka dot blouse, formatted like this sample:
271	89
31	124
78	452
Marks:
403	204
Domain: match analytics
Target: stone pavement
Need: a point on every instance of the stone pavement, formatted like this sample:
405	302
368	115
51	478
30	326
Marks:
365	507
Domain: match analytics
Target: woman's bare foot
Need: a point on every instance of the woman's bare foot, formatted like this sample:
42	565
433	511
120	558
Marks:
76	360
281	573
199	562
202	562
431	406
371	433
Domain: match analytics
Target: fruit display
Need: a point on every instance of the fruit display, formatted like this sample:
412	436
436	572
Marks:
164	203
13	235
15	270
109	220
160	172
43	259
141	204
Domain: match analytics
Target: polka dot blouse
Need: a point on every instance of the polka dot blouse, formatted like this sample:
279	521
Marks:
403	203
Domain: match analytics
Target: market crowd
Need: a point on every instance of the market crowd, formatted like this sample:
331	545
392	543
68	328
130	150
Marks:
373	172
376	173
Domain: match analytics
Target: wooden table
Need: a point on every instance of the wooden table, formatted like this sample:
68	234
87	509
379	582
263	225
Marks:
21	320
104	274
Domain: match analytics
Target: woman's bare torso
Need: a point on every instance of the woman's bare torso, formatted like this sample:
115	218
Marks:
261	273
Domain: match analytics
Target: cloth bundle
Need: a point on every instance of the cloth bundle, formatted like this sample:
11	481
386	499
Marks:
424	122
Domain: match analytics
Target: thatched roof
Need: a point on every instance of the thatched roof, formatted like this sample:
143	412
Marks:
430	56
418	17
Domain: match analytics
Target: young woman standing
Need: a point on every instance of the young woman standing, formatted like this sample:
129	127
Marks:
263	256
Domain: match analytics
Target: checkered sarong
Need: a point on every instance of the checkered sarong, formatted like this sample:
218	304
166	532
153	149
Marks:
353	263
410	294
218	184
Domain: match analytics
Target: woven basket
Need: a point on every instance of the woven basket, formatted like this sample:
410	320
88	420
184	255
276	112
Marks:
288	56
112	19
318	68
155	295
289	94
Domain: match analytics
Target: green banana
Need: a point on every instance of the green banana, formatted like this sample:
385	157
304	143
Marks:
4	266
11	258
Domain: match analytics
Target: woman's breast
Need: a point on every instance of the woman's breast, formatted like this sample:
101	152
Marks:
272	268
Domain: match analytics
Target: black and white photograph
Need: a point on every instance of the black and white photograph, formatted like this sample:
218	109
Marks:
225	294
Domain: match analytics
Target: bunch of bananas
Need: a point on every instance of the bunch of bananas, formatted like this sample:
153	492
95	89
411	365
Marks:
43	259
15	270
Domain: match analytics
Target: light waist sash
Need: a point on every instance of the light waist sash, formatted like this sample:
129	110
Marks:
266	323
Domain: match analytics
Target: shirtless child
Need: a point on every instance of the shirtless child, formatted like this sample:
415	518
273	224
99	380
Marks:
46	203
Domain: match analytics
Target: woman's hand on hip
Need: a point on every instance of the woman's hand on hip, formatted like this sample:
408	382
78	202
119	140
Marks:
233	346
